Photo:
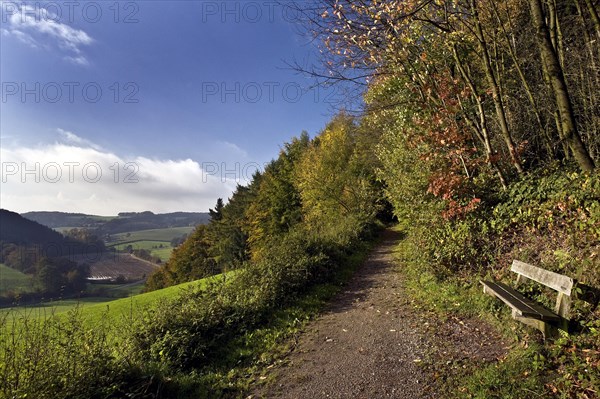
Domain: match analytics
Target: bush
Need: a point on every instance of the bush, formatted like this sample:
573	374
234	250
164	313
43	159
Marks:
552	219
55	358
188	332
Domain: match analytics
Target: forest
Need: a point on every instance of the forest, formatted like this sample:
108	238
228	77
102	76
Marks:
37	250
479	137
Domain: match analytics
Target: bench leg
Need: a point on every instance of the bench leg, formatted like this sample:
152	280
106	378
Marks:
548	331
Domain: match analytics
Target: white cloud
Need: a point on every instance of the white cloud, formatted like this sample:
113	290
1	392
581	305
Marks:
22	37
234	149
78	60
30	24
72	138
73	176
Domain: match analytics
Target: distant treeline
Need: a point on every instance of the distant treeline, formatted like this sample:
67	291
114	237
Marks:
124	222
37	250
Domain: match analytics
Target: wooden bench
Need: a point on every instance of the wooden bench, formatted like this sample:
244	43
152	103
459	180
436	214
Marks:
528	311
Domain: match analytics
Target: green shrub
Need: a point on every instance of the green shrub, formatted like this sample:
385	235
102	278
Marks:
550	218
56	358
187	332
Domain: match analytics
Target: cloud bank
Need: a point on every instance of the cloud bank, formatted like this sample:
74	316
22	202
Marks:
75	175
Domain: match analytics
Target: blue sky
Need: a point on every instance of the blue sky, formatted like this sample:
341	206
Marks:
182	99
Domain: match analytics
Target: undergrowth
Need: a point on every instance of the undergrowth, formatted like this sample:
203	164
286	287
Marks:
215	340
551	220
245	362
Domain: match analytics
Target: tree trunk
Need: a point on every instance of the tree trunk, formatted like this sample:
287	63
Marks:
559	86
496	95
594	15
480	130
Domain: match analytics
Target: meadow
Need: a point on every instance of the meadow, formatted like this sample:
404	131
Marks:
162	249
164	235
156	241
99	309
14	280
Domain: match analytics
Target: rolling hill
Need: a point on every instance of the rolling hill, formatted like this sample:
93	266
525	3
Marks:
16	229
122	223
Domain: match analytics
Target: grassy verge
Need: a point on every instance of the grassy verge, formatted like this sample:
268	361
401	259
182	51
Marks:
246	362
520	375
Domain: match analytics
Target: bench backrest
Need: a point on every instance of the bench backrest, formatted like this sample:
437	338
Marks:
557	282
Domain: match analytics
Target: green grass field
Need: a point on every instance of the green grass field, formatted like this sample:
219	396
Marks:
164	235
150	240
163	253
14	280
115	290
104	309
162	249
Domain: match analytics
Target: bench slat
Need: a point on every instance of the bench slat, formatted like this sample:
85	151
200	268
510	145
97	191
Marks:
553	280
524	306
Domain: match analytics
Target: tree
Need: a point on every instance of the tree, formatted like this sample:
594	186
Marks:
60	276
229	247
561	92
334	178
276	206
484	46
190	261
49	278
216	214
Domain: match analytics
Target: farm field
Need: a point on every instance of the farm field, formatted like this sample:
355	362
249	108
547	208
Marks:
157	241
162	249
163	253
164	235
111	265
64	229
14	280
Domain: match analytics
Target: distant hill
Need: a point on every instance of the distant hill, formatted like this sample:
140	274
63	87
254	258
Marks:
64	219
15	229
124	222
34	249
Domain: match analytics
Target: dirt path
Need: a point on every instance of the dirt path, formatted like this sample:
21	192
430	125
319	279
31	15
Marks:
371	342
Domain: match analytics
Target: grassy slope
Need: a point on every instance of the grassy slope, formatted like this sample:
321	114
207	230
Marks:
115	290
96	309
14	280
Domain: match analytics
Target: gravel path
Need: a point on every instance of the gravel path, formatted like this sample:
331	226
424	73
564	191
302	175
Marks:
371	342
